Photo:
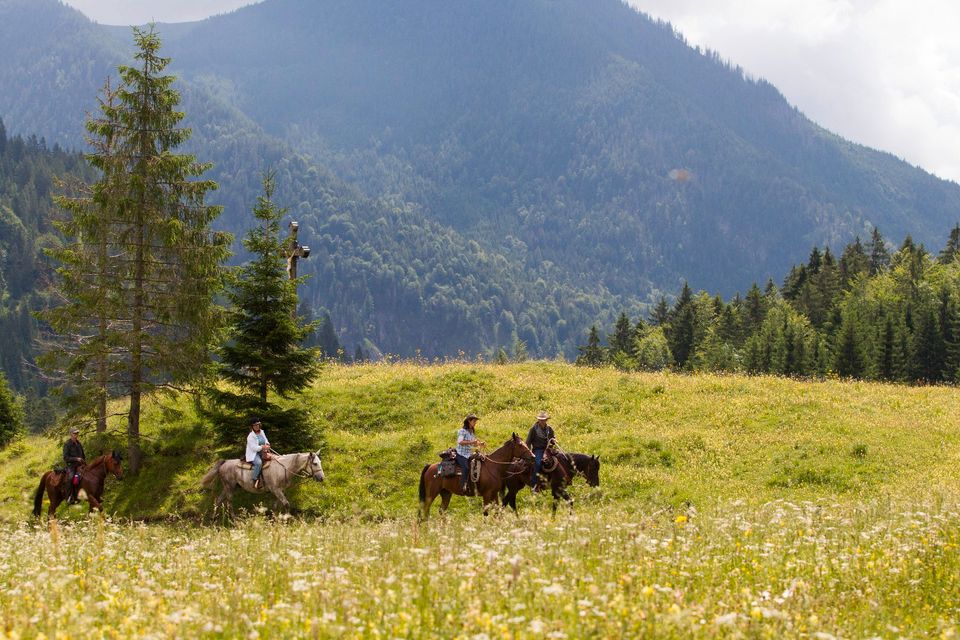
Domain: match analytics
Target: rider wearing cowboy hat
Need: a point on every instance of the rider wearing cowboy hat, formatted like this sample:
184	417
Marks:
466	442
538	439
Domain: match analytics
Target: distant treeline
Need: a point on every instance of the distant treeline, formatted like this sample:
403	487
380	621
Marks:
871	314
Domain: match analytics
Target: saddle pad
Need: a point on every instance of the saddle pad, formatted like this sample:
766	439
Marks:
448	469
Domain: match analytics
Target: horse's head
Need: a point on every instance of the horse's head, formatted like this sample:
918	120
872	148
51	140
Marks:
114	464
314	468
591	471
520	448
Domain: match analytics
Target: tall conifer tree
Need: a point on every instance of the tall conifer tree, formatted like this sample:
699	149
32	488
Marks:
163	260
264	352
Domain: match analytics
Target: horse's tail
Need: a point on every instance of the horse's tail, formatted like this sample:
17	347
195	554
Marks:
423	484
38	498
212	475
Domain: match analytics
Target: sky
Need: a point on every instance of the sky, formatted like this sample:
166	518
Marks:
884	73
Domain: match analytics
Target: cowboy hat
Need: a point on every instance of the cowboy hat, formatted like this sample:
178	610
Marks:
74	430
543	415
470	417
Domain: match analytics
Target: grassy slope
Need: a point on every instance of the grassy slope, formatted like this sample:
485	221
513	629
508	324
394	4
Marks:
663	439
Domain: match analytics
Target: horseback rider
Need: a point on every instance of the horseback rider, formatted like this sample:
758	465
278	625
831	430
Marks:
539	439
258	450
466	443
74	458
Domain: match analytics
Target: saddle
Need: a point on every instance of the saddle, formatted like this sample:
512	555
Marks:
247	466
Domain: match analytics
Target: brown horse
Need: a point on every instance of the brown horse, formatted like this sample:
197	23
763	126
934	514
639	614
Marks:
92	477
565	467
493	474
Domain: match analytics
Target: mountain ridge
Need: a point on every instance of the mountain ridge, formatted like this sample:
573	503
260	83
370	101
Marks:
556	161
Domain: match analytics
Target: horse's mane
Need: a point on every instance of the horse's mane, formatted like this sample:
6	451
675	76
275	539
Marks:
99	460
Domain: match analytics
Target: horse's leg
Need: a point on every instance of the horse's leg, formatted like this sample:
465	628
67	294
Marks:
281	499
54	502
226	496
444	500
94	503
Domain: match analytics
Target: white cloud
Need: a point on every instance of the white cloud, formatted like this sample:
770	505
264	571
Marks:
883	73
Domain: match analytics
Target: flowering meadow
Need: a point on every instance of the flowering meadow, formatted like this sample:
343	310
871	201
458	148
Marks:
728	507
805	570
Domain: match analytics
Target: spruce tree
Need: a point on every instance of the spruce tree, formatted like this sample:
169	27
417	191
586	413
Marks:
681	329
878	254
11	413
327	339
263	353
849	359
592	355
164	263
927	350
621	340
949	253
660	314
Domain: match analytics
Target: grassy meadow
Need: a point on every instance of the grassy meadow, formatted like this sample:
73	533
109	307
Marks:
728	506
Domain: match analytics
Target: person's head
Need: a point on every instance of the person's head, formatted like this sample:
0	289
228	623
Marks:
255	425
74	434
542	418
470	422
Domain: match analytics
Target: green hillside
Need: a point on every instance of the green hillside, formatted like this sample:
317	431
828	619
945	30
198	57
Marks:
664	440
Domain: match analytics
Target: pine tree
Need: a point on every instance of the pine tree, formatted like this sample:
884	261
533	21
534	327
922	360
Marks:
264	352
358	355
11	413
888	364
849	360
327	340
680	331
927	351
621	340
878	254
949	253
853	263
591	355
660	314
163	260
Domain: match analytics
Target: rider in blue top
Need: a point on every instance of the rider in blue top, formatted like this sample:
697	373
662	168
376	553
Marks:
466	443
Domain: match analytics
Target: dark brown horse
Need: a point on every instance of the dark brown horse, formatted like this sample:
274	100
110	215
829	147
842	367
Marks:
92	477
560	469
493	474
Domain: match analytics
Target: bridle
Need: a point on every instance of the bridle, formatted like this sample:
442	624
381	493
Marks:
302	471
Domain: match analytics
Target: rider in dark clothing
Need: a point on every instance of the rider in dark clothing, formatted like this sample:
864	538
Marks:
73	457
538	439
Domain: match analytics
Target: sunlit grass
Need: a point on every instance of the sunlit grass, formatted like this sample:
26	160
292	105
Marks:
729	506
779	569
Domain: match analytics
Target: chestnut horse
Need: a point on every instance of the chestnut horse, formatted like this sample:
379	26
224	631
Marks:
568	466
493	474
92	479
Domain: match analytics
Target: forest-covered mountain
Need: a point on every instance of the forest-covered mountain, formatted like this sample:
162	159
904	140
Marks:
473	173
29	176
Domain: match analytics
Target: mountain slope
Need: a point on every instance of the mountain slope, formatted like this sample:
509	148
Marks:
474	173
393	280
588	132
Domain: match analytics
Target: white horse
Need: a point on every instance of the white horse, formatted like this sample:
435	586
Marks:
277	474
